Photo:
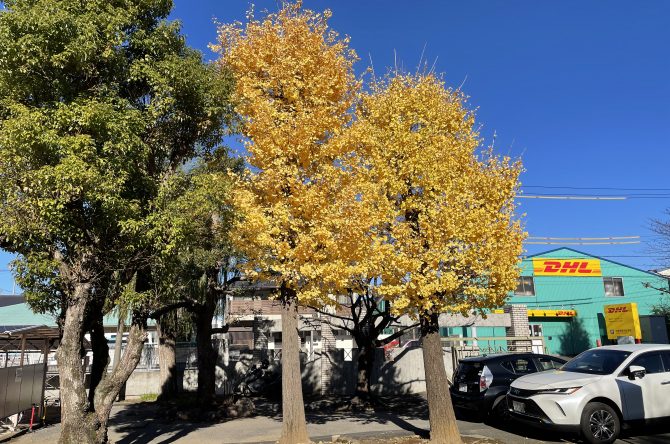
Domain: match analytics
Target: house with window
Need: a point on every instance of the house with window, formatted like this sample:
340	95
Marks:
567	293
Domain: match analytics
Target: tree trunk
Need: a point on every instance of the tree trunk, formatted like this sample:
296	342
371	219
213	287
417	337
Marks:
366	359
443	426
100	356
111	384
118	348
118	342
206	355
167	360
294	425
77	426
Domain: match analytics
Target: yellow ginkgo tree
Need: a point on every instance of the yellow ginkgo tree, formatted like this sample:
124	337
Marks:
453	241
305	217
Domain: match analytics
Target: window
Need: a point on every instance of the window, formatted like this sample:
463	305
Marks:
343	299
519	366
548	363
525	286
535	330
613	286
596	361
651	362
666	360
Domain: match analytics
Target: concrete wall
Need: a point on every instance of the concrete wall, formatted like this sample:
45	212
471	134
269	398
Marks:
402	373
143	382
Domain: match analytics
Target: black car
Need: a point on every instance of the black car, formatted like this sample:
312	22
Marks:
481	382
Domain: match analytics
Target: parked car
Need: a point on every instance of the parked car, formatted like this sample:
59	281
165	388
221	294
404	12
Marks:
481	382
597	391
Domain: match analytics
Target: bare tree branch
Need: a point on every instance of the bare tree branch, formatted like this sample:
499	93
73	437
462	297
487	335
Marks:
168	308
395	335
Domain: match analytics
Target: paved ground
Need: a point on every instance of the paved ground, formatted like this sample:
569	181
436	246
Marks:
144	424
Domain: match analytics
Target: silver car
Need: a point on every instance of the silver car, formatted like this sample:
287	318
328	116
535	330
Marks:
597	391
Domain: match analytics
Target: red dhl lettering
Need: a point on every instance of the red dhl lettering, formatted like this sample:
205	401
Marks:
563	313
567	267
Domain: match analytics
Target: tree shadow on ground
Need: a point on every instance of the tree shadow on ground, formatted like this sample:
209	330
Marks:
145	421
398	410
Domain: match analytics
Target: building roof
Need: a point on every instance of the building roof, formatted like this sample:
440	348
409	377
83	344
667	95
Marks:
36	337
10	299
20	314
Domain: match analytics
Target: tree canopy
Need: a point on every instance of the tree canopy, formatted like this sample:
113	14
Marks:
453	240
98	101
303	211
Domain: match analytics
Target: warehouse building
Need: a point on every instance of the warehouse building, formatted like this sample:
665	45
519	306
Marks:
577	301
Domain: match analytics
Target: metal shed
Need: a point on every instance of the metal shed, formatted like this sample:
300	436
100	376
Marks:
24	353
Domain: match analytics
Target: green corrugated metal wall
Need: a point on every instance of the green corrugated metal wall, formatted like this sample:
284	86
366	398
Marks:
569	336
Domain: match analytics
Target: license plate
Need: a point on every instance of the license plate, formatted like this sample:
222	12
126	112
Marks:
519	406
463	388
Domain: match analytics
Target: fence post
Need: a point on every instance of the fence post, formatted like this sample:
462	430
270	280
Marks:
454	359
327	345
43	407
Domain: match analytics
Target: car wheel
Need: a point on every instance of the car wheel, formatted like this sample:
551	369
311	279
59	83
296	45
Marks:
600	423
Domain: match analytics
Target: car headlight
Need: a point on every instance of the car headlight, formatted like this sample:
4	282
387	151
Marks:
559	391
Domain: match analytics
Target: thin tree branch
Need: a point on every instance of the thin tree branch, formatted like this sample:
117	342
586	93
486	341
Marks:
395	335
662	290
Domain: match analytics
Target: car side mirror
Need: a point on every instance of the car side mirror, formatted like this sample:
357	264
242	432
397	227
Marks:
636	371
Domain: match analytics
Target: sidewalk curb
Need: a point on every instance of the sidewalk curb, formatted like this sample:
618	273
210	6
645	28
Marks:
363	435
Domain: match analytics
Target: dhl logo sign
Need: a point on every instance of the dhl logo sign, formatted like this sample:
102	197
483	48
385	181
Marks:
622	320
538	313
566	267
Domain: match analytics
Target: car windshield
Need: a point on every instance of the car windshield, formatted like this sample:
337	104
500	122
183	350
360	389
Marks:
596	361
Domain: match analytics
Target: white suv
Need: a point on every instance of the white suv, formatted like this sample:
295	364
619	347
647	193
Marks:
598	390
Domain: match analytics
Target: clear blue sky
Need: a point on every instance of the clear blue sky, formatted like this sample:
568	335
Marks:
580	90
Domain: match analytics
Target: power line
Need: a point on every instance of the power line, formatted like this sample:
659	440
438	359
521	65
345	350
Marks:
558	197
584	238
593	188
594	196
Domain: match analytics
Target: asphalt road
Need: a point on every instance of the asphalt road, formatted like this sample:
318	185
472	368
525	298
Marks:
143	424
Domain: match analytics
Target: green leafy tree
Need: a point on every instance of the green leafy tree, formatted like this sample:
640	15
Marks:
194	270
100	103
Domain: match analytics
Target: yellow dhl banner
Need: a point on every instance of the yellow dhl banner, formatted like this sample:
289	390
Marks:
566	267
539	313
622	320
